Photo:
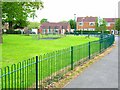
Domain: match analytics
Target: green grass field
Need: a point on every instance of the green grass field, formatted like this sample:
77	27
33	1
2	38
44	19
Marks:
17	48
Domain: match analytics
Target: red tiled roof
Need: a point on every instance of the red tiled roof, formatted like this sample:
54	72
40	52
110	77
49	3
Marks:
53	25
110	19
86	19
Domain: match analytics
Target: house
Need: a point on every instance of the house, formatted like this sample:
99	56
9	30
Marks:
86	23
89	23
53	27
110	23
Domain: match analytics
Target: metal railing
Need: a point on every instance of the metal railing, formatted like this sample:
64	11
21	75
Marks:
43	70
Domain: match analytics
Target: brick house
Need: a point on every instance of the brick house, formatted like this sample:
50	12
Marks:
86	23
110	23
53	27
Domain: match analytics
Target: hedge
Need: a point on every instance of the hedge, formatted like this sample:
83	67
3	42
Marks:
87	32
11	32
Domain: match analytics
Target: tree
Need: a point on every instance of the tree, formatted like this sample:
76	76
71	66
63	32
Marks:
72	24
117	25
100	25
19	11
32	25
20	24
103	26
43	20
96	24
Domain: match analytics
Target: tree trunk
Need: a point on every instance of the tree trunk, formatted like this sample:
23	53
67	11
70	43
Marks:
10	25
38	36
1	40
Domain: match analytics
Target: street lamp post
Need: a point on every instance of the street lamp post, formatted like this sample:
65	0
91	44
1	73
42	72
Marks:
75	24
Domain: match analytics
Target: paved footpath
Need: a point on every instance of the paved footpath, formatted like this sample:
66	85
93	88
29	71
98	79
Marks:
102	74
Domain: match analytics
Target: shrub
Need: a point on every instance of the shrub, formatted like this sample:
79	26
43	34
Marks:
13	32
91	32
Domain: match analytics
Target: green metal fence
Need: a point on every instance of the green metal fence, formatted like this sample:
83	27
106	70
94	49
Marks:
43	70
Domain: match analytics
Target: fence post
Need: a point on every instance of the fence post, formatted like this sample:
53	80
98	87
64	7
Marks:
113	39
100	45
36	72
89	49
71	57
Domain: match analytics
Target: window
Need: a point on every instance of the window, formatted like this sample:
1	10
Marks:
81	23
50	30
91	23
108	24
44	31
91	29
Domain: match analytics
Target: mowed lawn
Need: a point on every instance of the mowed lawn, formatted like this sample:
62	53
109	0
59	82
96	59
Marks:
17	48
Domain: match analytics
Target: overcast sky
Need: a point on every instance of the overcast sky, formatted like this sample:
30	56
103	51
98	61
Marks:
59	10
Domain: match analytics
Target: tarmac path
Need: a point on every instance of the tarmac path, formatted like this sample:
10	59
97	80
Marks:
102	74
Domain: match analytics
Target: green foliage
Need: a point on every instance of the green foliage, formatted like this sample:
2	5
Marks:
72	24
117	24
102	27
13	32
92	32
20	24
34	25
19	11
96	24
43	20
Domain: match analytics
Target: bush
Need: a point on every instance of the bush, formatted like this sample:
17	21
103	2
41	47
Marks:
13	32
17	32
69	33
91	32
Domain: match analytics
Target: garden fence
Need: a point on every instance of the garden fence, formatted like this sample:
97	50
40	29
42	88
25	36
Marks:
43	70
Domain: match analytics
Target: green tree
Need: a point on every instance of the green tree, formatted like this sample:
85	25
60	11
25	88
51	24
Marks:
43	20
100	25
32	25
72	24
103	26
117	25
19	11
20	24
96	24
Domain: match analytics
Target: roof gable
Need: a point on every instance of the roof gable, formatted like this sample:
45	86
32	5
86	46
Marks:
54	25
86	19
110	19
